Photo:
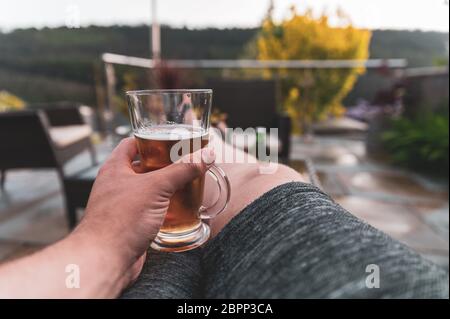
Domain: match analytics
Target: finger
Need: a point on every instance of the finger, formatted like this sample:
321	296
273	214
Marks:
126	151
137	167
176	175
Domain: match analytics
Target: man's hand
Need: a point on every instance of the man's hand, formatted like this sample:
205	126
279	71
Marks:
125	211
126	207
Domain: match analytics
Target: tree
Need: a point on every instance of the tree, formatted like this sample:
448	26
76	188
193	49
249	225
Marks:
313	94
9	102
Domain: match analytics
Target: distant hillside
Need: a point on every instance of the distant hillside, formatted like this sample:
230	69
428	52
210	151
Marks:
419	48
56	64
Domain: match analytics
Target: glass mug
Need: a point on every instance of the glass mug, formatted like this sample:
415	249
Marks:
168	124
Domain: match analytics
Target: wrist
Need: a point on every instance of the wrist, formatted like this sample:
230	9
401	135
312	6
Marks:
105	270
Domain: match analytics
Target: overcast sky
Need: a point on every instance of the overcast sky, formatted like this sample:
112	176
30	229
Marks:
384	14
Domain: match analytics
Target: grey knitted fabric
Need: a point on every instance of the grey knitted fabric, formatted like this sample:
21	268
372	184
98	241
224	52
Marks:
293	242
168	276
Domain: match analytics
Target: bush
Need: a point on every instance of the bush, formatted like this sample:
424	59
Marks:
311	95
420	144
9	102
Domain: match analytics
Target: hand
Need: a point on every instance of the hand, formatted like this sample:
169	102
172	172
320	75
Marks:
126	207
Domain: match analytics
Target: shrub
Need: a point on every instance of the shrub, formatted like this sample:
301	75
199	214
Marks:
9	102
420	144
311	95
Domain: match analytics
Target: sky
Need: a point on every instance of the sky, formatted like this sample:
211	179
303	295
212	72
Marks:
372	14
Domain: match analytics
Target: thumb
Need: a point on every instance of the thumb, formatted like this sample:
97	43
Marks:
186	169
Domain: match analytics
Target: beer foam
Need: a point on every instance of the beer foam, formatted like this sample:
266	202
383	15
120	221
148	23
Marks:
170	132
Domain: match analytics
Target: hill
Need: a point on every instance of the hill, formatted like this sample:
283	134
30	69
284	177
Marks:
61	63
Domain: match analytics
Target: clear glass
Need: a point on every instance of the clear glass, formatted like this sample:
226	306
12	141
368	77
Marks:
168	124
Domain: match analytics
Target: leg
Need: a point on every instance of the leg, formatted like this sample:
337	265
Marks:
248	181
93	154
295	242
71	210
279	239
2	179
179	275
168	276
71	216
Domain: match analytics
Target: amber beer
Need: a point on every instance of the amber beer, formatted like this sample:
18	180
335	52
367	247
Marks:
165	123
155	144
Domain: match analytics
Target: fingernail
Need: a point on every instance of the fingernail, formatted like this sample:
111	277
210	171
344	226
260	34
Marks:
208	155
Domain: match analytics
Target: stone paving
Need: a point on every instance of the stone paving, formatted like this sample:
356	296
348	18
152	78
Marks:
407	206
32	213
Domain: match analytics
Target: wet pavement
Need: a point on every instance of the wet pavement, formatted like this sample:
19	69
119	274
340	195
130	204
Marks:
409	207
405	205
32	213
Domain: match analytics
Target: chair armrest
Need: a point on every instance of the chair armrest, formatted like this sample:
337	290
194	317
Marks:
284	125
63	114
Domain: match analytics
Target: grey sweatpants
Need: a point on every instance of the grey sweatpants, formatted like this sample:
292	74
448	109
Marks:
293	242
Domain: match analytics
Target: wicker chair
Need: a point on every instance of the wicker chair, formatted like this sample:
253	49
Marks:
46	138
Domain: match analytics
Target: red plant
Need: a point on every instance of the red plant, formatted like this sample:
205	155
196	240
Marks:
166	77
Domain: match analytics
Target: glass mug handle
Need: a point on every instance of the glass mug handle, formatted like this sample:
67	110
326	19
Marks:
224	194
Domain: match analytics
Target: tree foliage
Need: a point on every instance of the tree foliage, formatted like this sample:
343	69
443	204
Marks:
9	102
310	95
59	64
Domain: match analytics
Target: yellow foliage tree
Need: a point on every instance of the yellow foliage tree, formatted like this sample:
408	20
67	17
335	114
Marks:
313	94
9	102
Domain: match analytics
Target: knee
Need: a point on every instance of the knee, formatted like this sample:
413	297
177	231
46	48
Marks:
280	172
290	173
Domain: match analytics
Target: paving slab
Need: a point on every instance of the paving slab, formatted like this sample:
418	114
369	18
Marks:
22	250
401	223
396	220
42	223
332	185
329	150
393	184
438	219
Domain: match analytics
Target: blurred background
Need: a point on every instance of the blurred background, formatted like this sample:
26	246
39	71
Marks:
357	89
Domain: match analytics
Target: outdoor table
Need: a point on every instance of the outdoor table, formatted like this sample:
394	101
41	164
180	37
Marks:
77	188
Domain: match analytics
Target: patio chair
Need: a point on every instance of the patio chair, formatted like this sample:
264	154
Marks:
68	129
28	140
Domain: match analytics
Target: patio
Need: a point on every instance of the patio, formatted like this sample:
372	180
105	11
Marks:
406	206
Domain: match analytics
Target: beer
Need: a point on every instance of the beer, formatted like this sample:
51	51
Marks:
169	124
158	147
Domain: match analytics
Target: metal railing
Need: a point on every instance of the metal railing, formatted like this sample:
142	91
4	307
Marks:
111	58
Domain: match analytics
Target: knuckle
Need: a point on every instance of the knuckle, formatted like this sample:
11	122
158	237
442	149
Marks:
109	168
105	169
125	141
196	168
160	181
